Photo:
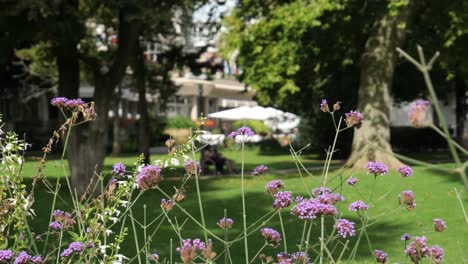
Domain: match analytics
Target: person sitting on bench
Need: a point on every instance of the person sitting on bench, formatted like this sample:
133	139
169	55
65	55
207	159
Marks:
211	156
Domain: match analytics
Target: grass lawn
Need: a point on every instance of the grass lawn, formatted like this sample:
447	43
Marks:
432	189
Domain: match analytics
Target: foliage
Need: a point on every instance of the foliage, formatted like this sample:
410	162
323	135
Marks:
257	126
181	122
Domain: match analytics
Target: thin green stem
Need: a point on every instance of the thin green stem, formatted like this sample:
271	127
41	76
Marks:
283	232
59	246
459	198
258	252
200	204
460	148
54	200
322	236
135	236
373	188
244	214
226	246
190	216
307	243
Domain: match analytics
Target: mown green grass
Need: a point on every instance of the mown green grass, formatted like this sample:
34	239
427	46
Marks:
433	190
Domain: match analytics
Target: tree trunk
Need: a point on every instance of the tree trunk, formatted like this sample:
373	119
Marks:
460	94
372	141
89	146
116	146
143	123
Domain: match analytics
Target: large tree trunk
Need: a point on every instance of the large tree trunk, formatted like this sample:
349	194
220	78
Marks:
89	147
372	140
143	123
460	94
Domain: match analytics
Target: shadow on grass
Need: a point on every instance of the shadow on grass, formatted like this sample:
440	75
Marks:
215	200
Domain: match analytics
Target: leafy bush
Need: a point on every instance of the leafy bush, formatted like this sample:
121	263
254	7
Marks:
180	122
257	126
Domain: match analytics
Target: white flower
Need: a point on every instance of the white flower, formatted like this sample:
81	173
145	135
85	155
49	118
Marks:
119	258
113	219
109	232
175	162
124	203
140	167
117	212
103	248
186	157
166	164
157	162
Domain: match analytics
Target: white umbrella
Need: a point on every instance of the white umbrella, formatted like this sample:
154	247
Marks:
243	113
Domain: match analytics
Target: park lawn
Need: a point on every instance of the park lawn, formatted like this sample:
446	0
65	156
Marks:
433	190
252	159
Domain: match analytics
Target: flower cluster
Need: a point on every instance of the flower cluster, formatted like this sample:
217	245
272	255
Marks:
119	169
296	257
274	186
225	223
418	249
330	198
376	168
354	118
282	200
271	236
351	181
63	220
417	113
74	247
344	227
321	190
380	256
259	170
75	104
148	177
437	254
407	198
188	250
358	205
191	167
167	205
309	209
154	257
405	237
405	171
243	131
5	255
439	225
324	106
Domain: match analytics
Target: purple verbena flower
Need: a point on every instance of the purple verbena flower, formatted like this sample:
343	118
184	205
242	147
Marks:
72	103
272	236
358	205
190	166
330	198
243	131
55	225
167	205
405	237
76	246
22	258
351	181
58	101
405	171
437	254
344	228
321	190
188	249
154	257
439	225
66	253
5	255
418	249
309	209
148	177
407	198
119	169
274	186
336	106
282	200
259	170
296	257
417	113
37	260
376	168
380	256
354	118
225	223
324	106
